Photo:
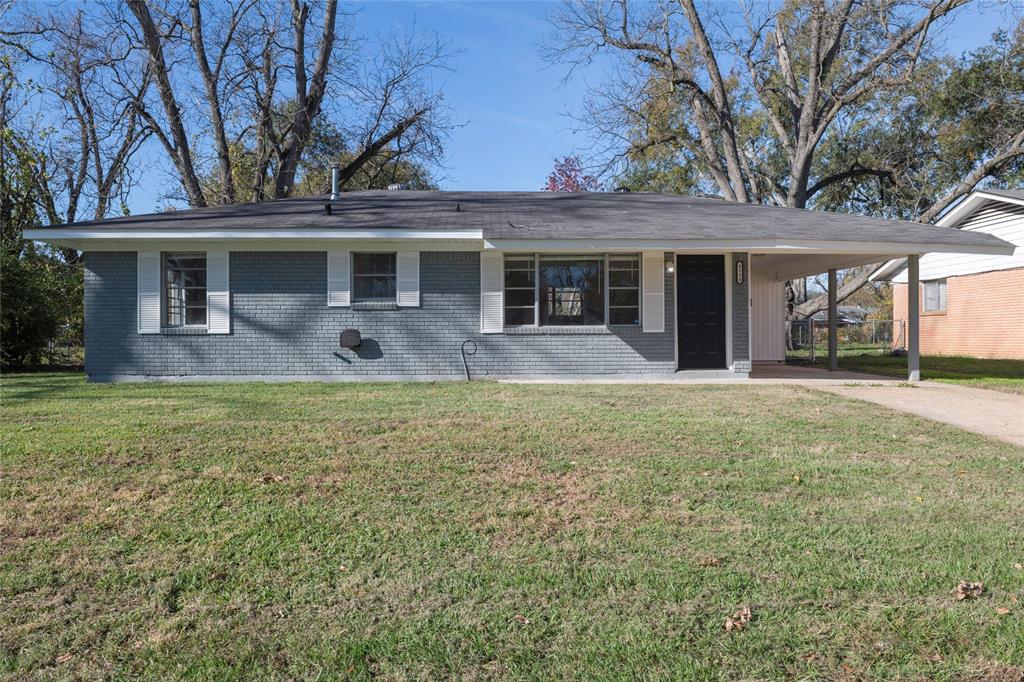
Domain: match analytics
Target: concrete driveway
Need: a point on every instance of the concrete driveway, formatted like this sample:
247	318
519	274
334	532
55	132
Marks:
990	413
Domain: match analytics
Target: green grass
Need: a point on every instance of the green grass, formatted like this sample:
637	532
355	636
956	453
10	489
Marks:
493	531
1003	375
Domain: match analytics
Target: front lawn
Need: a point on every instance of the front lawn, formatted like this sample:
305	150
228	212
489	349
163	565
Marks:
485	531
1003	375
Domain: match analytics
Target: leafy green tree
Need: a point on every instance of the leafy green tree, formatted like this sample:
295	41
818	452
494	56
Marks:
40	292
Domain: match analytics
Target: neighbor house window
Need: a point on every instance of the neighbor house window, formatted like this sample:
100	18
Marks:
184	289
373	277
520	290
624	289
571	290
934	295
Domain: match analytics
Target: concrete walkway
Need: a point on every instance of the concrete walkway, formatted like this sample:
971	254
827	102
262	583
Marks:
991	413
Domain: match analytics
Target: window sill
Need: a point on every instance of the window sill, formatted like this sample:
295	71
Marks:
374	305
933	313
183	331
558	331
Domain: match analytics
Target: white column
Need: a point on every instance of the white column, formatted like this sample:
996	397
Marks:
833	340
913	319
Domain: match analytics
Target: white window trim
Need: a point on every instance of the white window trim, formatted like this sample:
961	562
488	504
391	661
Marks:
353	275
606	279
164	324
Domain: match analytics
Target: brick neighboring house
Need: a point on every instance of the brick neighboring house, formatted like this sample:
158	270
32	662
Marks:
971	305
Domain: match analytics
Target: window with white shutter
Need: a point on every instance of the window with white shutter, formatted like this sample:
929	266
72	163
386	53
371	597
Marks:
338	279
491	294
218	295
149	290
409	279
653	291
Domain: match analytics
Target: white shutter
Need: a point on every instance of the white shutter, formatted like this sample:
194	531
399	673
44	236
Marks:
408	279
338	263
218	292
492	295
149	292
653	291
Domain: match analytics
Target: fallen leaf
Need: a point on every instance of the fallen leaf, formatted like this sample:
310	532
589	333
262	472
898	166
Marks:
709	561
796	477
935	657
967	590
809	657
737	620
268	479
919	498
521	619
1019	566
64	658
1002	610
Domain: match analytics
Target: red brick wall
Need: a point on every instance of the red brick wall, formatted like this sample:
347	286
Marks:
984	316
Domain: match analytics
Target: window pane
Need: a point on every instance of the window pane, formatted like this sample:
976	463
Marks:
195	297
182	261
373	276
931	296
184	289
373	263
620	297
519	297
519	278
515	317
571	291
195	316
942	295
624	316
377	287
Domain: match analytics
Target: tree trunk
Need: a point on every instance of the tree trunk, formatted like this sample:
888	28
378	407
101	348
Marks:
182	156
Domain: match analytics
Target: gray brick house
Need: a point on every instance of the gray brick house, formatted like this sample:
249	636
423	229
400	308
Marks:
535	283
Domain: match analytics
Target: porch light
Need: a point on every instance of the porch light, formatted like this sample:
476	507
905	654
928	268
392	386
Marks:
739	272
670	265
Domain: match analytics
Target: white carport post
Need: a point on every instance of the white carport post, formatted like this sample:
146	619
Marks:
913	318
833	341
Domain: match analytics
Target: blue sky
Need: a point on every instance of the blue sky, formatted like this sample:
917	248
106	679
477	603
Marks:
513	104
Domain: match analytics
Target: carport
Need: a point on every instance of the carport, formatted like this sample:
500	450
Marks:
771	269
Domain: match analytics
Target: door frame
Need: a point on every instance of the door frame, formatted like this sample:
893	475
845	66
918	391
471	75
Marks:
728	303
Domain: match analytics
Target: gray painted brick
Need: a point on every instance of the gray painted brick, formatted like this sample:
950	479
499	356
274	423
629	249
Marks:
281	326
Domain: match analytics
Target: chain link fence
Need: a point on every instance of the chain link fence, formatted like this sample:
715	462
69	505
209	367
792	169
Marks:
808	339
65	349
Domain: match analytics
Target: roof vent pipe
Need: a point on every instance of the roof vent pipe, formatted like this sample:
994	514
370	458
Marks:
335	182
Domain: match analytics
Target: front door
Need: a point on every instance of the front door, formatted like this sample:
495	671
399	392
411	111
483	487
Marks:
700	311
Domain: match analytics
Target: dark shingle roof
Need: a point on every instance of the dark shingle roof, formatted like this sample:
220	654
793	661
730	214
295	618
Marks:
552	215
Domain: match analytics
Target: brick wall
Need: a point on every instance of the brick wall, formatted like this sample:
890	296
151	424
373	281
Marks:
740	315
281	326
984	316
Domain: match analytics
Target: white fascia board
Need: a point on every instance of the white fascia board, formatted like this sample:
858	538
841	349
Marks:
889	270
98	234
883	249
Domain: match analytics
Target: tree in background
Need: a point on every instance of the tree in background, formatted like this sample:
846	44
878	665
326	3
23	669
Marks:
40	292
568	175
763	105
245	83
